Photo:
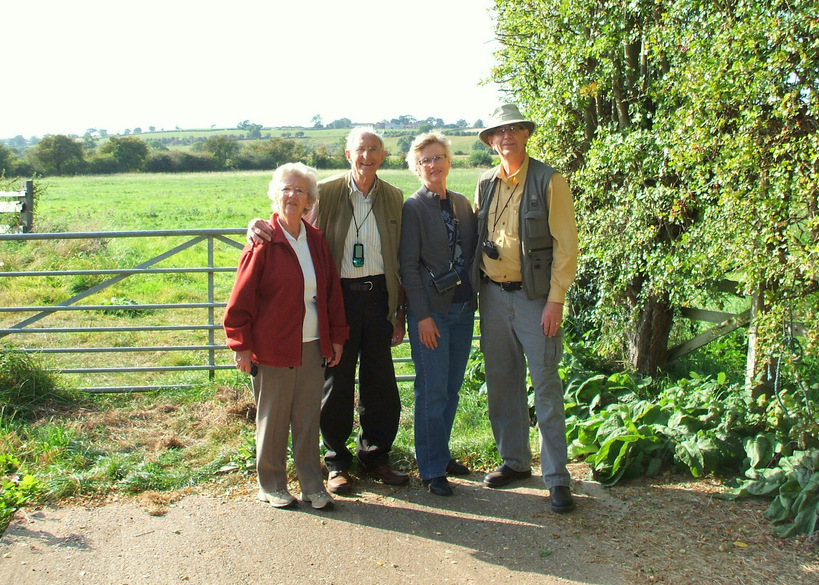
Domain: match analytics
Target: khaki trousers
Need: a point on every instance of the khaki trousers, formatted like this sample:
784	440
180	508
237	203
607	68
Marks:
289	399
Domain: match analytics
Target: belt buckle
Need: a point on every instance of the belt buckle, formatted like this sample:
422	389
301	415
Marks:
368	282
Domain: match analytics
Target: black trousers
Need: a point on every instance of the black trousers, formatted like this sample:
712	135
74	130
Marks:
379	406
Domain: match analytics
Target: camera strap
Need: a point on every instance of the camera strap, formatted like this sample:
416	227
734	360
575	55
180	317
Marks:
505	205
454	239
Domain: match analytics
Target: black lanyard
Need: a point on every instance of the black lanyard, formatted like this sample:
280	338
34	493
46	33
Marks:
352	211
497	215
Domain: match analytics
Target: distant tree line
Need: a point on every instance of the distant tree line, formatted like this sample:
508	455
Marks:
65	155
62	155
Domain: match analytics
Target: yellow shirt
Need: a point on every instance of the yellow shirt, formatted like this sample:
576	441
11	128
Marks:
503	225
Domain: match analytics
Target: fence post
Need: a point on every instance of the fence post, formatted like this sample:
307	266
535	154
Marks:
27	214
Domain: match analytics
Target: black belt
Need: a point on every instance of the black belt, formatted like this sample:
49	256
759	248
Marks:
366	283
507	286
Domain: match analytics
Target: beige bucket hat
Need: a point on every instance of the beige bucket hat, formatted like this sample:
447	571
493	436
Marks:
505	114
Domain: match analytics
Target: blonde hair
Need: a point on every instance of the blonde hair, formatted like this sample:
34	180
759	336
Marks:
421	142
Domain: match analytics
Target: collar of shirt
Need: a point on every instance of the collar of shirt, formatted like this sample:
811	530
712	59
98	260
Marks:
425	191
517	177
355	190
302	231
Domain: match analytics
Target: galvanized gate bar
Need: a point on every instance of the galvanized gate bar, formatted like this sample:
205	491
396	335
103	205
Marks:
211	347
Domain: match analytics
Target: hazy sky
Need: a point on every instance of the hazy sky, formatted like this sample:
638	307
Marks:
117	64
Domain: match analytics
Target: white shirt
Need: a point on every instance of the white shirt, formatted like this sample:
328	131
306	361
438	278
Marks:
310	325
366	234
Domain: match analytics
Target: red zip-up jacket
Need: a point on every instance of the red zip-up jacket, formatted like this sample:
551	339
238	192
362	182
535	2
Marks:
266	307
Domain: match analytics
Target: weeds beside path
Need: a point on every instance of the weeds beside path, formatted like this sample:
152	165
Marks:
673	531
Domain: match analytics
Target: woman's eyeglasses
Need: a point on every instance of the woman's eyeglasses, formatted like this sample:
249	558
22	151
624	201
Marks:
425	162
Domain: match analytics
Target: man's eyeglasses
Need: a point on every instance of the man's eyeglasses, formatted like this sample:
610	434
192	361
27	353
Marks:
425	162
509	128
292	191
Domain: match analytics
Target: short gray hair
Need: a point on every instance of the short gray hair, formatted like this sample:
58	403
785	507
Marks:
354	137
421	142
309	174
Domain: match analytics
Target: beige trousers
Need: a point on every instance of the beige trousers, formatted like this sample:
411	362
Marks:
289	399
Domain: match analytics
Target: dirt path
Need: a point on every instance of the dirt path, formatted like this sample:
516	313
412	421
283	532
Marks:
640	534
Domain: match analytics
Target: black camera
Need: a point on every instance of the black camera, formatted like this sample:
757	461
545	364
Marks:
490	250
446	281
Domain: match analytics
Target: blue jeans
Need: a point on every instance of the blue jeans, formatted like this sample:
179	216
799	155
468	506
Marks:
439	374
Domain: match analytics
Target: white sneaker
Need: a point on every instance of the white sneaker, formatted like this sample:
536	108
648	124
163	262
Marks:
278	499
320	500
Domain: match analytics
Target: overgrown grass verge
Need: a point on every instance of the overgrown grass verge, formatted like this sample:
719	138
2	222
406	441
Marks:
79	446
59	444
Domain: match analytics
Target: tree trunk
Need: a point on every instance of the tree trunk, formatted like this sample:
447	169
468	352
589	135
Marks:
648	341
754	365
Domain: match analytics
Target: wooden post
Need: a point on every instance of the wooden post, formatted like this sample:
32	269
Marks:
27	213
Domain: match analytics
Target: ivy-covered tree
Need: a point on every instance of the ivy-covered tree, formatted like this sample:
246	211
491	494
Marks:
747	127
689	135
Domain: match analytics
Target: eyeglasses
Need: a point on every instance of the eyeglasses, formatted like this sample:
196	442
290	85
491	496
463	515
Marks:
292	191
509	128
425	162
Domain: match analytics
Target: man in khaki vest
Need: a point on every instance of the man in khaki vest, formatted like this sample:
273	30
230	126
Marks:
526	259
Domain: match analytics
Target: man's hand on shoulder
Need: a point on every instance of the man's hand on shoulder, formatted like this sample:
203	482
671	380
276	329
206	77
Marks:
259	231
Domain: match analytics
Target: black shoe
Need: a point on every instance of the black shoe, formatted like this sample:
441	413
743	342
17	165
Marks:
438	486
562	500
455	467
504	475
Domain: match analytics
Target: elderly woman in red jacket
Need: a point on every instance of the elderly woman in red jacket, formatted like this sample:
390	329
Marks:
285	322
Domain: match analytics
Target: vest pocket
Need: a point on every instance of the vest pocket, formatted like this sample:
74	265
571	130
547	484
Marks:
538	271
536	224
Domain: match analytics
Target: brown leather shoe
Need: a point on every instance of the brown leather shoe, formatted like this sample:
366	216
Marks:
388	475
340	482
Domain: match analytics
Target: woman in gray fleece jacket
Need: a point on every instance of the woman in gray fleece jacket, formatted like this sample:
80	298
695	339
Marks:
438	241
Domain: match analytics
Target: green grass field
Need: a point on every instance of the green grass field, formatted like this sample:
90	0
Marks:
181	201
